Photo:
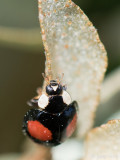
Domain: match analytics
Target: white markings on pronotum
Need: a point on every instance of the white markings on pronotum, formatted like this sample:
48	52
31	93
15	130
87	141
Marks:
66	98
43	101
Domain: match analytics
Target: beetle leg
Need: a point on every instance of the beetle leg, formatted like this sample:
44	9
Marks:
34	101
39	91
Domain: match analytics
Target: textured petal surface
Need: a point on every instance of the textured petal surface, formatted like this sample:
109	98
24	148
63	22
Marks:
73	47
110	99
103	143
70	150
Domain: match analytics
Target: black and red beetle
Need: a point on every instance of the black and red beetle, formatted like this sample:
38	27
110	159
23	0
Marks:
55	120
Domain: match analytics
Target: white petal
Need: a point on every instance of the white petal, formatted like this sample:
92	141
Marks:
73	47
103	143
72	149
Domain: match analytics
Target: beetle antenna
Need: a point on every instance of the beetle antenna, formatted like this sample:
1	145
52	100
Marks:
62	76
46	78
58	79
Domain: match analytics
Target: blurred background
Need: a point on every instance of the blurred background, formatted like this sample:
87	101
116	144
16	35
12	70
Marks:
22	58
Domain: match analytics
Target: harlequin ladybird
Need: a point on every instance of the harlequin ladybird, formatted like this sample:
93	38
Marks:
55	120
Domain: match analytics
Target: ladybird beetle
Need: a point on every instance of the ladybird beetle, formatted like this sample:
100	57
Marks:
55	119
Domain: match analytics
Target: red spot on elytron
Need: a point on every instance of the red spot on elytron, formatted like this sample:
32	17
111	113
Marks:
38	131
71	127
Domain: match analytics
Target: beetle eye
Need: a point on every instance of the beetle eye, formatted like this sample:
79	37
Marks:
43	101
54	89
